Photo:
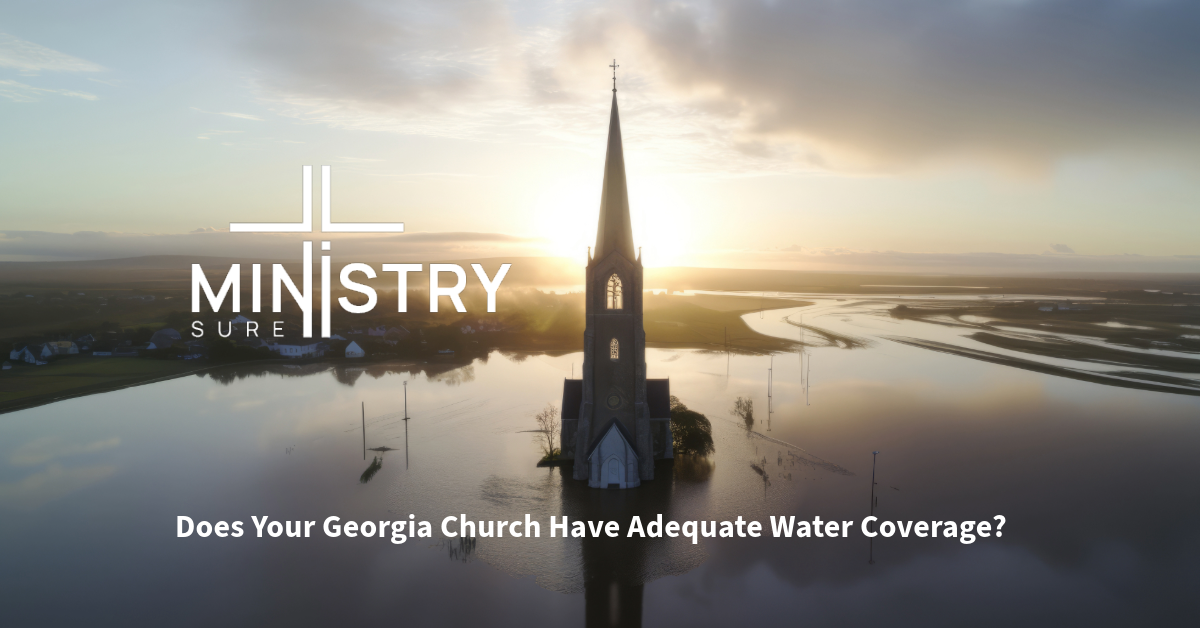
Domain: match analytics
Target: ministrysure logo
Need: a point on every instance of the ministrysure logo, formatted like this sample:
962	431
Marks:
231	287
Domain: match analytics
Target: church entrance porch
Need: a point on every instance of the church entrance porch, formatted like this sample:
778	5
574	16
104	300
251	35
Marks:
613	463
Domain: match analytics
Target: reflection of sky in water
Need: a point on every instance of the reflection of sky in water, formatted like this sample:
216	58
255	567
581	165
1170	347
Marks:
1099	486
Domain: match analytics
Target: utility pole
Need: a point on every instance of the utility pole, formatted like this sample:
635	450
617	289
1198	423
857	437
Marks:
871	561
405	424
364	424
770	387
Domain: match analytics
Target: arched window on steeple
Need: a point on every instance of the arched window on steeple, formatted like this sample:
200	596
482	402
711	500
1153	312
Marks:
612	294
614	350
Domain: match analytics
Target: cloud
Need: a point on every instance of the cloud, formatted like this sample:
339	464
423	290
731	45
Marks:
434	246
897	82
206	135
471	69
381	55
1062	248
20	92
29	57
52	483
230	114
733	86
47	449
973	263
243	116
208	241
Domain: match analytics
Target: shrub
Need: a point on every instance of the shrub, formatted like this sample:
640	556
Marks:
691	432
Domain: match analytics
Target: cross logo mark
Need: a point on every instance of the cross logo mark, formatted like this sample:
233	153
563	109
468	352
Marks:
306	224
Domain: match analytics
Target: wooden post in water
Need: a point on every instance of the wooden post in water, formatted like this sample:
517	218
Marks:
871	559
364	423
770	391
406	424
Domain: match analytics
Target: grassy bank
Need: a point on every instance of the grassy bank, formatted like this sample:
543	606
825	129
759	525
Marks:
26	386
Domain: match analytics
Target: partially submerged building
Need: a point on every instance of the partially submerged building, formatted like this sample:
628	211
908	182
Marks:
615	422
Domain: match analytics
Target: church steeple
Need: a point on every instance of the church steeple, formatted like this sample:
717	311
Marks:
615	422
615	232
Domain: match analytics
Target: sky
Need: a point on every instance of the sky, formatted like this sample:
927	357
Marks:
939	135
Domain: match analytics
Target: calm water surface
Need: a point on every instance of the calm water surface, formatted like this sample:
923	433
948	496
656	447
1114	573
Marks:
1100	488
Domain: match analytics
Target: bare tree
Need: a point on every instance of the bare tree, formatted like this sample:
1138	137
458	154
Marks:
548	425
744	408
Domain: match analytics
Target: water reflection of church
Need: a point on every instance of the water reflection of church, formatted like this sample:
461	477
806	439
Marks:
615	422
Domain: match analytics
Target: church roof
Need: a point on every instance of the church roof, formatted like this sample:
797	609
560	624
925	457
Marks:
613	424
615	232
572	397
658	398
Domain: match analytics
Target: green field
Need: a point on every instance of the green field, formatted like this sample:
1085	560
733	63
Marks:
27	385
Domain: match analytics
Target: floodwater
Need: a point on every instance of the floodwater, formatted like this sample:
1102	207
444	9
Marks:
1099	488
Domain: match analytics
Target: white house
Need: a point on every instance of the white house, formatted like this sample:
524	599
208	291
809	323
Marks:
164	338
85	342
27	355
59	347
297	348
354	351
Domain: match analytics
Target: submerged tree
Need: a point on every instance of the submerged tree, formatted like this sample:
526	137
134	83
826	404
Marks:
376	465
744	408
691	432
548	425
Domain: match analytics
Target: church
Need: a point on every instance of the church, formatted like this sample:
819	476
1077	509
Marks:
615	422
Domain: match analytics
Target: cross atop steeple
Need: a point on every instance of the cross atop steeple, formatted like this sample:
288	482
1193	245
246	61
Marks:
614	67
614	231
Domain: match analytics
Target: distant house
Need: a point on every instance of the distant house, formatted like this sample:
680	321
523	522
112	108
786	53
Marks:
354	351
58	347
17	351
195	350
377	331
297	347
27	355
85	342
7	365
240	326
336	337
482	325
164	338
394	335
253	342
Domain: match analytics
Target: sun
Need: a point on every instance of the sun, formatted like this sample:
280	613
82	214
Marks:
567	211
